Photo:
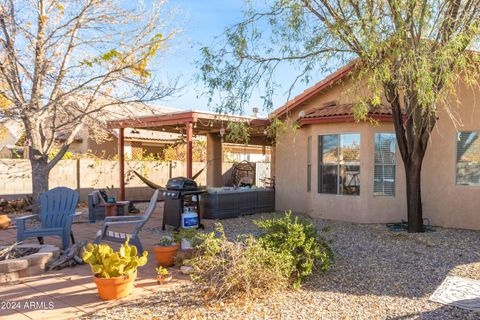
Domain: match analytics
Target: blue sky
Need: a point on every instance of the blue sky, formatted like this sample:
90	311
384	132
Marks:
203	20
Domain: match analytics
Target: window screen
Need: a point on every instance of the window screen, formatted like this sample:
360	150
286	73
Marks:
468	158
339	164
385	164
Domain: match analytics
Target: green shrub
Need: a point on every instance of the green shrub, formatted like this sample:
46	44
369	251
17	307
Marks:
237	269
168	241
298	242
287	250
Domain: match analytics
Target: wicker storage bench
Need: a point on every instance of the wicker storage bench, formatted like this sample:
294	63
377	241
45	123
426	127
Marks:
222	204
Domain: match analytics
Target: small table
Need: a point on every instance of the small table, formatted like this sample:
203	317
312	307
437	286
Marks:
111	209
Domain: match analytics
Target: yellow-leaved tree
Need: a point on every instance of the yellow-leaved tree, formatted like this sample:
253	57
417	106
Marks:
63	62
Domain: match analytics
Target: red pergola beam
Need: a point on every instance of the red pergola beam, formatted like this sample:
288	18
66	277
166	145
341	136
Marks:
121	162
149	124
189	126
154	121
179	118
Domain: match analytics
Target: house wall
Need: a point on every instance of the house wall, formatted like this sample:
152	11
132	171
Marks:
291	178
153	149
342	93
105	149
445	203
109	148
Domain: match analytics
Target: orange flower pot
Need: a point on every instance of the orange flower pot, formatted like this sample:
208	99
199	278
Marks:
161	279
165	255
4	221
115	288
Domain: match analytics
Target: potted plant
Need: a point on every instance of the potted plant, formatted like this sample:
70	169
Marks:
113	272
163	275
110	194
165	250
187	237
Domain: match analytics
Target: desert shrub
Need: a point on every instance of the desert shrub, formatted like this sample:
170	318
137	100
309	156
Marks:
243	268
298	242
287	250
183	256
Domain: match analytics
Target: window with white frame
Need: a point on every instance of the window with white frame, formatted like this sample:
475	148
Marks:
468	158
384	164
339	164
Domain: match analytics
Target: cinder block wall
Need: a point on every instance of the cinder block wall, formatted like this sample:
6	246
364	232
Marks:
86	175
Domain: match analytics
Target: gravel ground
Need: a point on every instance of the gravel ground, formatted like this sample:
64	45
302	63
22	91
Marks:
377	274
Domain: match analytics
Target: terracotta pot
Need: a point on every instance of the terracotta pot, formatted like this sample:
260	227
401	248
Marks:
165	255
4	221
115	288
161	279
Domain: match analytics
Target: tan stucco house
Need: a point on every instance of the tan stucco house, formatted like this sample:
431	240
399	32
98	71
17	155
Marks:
138	142
335	168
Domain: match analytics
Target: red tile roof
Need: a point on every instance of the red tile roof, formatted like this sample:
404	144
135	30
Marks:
316	89
342	113
343	110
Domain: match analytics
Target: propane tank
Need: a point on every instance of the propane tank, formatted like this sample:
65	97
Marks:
189	218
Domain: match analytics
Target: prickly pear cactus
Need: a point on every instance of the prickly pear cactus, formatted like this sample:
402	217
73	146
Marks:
106	263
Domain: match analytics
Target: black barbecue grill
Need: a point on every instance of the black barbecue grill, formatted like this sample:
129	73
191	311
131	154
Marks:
179	193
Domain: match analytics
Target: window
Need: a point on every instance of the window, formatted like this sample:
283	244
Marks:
385	163
468	158
339	164
309	164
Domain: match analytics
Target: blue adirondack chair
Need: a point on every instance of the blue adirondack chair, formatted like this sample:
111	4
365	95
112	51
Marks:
136	223
58	210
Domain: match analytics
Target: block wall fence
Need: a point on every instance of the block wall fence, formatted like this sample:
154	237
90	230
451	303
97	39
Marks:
85	175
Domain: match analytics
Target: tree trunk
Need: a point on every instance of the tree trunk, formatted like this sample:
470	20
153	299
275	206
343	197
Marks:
414	195
412	131
40	173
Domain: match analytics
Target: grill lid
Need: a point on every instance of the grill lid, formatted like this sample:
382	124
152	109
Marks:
181	183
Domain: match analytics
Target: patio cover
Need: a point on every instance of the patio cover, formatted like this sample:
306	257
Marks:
190	123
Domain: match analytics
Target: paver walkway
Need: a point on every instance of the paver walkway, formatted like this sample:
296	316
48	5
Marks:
70	292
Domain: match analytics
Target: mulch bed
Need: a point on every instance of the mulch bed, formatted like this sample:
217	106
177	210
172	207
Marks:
378	274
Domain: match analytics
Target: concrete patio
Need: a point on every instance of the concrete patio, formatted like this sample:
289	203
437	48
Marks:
70	292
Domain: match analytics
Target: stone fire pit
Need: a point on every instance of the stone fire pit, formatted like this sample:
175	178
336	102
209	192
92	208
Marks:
27	266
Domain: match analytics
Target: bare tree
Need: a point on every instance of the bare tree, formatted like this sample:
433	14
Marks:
411	54
63	62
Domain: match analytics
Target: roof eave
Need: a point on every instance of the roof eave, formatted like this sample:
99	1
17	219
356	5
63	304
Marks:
316	89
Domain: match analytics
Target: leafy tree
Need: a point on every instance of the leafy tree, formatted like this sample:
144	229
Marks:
62	63
410	54
178	152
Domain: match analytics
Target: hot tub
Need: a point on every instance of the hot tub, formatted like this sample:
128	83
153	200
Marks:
222	203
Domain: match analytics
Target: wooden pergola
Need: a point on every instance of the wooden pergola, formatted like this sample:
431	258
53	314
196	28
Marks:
191	123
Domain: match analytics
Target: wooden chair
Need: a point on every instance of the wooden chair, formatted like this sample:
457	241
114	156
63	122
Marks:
136	222
57	213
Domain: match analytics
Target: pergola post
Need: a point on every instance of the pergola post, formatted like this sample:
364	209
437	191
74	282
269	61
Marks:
121	162
189	126
273	159
214	160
